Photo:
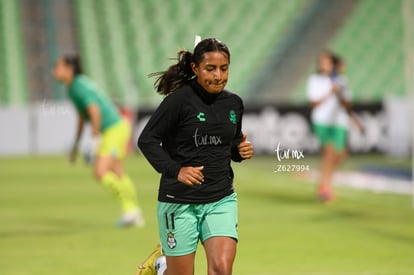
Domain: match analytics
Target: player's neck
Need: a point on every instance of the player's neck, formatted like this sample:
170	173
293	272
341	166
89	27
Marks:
68	81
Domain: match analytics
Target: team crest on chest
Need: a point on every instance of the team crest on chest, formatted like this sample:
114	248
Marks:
233	117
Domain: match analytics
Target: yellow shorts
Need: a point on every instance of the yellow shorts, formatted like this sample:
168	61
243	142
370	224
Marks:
114	140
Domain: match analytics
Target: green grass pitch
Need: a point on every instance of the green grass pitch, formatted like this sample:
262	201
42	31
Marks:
55	219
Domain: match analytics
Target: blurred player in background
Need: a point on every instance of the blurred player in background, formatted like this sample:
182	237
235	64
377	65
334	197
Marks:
344	95
330	100
110	135
191	139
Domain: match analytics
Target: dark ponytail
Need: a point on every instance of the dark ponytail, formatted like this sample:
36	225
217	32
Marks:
176	75
181	73
74	61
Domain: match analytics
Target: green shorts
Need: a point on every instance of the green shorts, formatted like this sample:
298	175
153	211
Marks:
181	226
334	135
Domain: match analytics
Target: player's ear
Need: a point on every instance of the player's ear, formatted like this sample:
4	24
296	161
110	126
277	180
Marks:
194	68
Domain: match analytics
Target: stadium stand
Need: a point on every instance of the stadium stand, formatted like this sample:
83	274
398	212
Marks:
374	70
382	70
277	79
123	41
12	75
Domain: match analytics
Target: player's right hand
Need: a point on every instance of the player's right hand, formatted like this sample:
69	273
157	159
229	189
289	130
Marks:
336	88
190	175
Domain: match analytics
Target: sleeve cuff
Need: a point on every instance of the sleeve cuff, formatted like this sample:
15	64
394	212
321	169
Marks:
172	170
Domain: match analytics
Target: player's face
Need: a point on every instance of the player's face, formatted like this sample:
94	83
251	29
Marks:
213	71
325	64
62	71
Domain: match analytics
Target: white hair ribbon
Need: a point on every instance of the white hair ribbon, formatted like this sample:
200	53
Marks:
197	40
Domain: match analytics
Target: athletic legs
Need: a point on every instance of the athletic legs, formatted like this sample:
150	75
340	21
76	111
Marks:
327	165
109	172
331	159
180	265
220	252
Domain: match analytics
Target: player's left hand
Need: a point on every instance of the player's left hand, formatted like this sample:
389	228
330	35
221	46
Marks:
245	148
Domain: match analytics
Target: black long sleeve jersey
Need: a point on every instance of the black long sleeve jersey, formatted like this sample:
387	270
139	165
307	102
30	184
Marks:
192	127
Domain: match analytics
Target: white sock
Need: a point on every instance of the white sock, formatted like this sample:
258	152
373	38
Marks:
161	265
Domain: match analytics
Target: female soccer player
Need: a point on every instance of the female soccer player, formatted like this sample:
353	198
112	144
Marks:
191	139
330	100
110	136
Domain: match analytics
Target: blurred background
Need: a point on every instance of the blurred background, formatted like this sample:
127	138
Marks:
60	218
273	43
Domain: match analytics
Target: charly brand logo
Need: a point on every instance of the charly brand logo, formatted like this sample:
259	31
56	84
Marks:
201	116
290	154
233	116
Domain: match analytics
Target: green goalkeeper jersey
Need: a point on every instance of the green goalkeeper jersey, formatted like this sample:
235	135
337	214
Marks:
84	93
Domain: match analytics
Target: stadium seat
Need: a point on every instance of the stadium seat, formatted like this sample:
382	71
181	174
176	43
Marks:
374	70
129	39
13	90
